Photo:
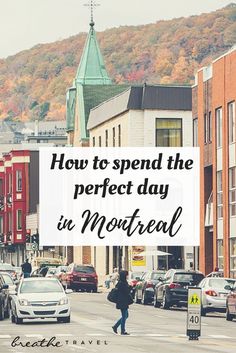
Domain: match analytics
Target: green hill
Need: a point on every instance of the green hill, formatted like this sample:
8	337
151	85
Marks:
33	82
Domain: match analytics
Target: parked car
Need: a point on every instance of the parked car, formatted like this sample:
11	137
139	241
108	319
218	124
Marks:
214	293
40	298
5	267
51	272
80	277
144	291
133	279
231	302
219	273
4	295
172	289
60	271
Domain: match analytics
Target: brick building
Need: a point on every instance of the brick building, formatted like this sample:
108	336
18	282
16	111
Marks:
214	129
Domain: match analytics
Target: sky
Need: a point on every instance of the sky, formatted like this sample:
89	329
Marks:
25	23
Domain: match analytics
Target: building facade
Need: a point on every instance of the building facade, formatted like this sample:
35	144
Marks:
147	116
214	130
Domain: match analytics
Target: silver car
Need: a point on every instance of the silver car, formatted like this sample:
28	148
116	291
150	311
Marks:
214	293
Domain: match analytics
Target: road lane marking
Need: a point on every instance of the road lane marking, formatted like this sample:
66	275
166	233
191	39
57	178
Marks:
219	336
96	334
5	336
33	336
64	335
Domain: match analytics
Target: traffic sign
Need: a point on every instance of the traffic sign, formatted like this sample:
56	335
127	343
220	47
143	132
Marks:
32	247
194	313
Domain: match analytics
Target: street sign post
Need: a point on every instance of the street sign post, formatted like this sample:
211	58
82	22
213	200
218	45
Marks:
194	313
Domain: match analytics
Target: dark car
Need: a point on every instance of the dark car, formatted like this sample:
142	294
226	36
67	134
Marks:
4	296
80	277
173	288
231	303
144	291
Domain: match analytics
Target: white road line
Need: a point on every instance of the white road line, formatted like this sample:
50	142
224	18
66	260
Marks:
155	335
161	316
219	336
96	334
64	335
5	336
34	336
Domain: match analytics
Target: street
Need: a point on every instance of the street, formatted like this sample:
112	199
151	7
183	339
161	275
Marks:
152	330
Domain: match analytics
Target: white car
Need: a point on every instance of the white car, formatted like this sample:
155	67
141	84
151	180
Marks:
214	293
39	297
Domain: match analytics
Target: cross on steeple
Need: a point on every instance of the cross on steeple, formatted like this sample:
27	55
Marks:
92	4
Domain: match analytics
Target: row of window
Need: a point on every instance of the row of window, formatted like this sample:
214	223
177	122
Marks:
18	183
168	134
104	141
18	221
232	193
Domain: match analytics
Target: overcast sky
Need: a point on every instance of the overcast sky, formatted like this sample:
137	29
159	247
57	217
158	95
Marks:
24	23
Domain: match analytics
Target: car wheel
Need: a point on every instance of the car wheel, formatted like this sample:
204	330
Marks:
95	290
144	299
229	317
7	312
64	319
1	312
156	302
13	319
203	311
137	300
165	303
18	321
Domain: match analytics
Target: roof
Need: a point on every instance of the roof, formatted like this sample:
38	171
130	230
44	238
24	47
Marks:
92	68
91	96
159	97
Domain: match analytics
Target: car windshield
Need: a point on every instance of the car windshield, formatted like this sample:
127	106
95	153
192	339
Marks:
157	275
220	283
40	286
7	279
188	277
84	269
6	267
135	275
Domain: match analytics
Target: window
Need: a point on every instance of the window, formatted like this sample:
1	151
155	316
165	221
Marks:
219	195
231	119
94	141
232	191
19	219
114	136
220	248
18	180
119	135
209	127
195	132
205	128
106	138
100	141
1	187
168	132
219	127
233	257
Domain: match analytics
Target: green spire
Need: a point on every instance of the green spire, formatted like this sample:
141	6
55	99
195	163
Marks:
91	69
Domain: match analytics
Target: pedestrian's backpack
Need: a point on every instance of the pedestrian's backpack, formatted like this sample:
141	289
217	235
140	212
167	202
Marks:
113	295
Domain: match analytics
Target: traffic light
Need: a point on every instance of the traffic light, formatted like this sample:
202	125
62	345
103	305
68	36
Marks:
28	235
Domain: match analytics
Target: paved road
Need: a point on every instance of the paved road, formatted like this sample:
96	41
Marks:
152	330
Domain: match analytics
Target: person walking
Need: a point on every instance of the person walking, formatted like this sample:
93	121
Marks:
26	268
124	299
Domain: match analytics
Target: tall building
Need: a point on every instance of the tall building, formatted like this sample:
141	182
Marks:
214	130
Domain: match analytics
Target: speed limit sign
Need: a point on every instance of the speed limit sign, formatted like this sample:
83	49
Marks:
194	313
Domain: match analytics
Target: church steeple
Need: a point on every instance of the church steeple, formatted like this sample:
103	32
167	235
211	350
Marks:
92	69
